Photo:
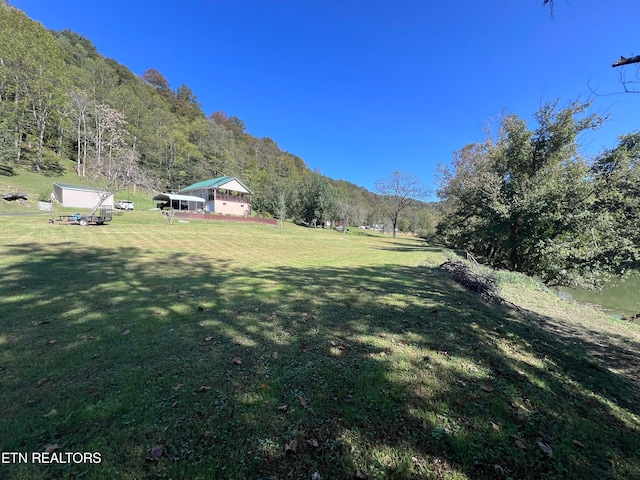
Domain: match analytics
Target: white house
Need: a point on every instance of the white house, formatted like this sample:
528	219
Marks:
82	197
225	195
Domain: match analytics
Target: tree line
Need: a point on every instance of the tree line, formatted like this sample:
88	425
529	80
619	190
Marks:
527	199
60	99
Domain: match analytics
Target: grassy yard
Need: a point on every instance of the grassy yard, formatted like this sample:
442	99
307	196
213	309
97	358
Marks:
238	351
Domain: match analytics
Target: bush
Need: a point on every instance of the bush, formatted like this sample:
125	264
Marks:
44	196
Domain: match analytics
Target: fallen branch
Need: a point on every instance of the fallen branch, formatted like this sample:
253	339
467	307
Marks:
483	285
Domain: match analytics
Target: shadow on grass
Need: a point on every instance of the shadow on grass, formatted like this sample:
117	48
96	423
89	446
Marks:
410	244
7	170
396	372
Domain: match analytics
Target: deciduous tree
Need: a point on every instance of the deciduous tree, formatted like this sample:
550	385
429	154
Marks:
7	146
33	80
154	78
399	191
115	164
315	198
615	233
523	199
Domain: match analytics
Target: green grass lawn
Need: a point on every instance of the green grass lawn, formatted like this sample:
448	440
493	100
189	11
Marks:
237	351
39	186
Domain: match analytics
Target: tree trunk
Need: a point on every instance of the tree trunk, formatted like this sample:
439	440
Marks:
41	123
79	140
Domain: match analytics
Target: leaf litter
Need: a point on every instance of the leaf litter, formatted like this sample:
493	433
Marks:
156	452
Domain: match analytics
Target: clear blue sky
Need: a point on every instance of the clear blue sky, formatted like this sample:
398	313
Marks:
359	88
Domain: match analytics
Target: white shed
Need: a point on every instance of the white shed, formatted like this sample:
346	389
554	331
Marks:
79	196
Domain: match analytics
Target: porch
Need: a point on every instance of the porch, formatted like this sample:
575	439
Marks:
180	202
228	197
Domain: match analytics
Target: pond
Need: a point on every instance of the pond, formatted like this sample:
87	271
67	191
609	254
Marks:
622	298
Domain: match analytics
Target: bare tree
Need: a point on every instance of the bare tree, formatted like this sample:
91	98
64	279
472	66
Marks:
116	163
399	191
629	81
116	173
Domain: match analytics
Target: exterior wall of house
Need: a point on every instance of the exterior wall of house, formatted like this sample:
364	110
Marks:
229	207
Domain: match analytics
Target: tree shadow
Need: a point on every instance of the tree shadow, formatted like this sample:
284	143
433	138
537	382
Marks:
7	171
52	169
226	365
409	245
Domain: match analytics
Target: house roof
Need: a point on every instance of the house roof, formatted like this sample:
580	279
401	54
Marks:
218	182
68	186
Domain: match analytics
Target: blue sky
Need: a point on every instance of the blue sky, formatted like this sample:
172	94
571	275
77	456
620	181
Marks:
359	88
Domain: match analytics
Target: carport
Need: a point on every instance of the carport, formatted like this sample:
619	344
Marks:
180	202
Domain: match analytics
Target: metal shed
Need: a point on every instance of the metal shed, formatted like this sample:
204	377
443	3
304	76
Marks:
80	196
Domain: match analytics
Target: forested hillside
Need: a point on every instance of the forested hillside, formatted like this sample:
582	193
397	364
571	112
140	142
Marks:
61	99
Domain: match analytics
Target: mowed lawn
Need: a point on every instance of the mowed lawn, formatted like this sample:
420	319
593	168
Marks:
217	350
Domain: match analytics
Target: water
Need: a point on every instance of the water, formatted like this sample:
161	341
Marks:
623	298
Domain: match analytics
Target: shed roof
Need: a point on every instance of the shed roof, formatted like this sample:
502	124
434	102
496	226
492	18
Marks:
68	186
215	183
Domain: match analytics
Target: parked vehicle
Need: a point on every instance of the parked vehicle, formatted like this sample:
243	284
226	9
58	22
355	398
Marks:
124	205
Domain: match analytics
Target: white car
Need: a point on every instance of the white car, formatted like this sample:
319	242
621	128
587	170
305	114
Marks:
124	205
